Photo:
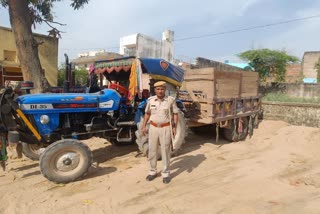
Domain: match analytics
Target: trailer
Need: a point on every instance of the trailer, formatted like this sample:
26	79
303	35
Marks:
225	96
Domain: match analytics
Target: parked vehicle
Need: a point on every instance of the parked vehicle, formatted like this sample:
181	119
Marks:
50	126
58	121
221	95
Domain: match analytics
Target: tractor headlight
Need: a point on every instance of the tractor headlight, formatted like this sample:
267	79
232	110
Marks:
44	119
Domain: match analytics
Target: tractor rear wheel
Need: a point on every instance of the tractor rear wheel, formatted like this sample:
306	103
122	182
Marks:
32	151
65	161
179	139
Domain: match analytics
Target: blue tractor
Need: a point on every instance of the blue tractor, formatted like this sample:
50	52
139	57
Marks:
51	126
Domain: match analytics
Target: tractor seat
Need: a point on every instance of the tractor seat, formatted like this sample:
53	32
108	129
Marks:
122	90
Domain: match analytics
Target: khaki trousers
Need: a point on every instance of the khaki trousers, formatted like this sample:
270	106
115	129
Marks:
160	136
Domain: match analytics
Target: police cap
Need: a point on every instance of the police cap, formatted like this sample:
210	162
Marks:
160	84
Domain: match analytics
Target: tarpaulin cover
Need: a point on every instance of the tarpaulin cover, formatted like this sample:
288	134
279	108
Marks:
163	70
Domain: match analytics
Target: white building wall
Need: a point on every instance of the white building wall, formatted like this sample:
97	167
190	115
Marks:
127	42
144	46
167	45
148	47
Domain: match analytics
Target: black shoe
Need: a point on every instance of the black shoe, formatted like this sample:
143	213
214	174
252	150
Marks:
166	180
151	177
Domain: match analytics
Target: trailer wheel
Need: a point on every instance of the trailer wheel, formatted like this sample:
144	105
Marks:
232	134
32	151
65	161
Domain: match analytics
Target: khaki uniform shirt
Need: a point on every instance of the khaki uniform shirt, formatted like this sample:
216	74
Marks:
159	109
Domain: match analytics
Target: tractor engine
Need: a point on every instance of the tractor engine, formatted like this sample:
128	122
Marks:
72	115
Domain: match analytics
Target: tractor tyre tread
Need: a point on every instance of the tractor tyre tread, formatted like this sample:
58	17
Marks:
49	152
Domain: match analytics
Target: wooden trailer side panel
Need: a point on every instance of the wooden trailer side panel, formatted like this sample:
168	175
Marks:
227	84
200	85
249	84
218	95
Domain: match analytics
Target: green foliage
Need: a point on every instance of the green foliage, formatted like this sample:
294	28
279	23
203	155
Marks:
80	76
41	10
281	97
4	3
61	75
317	67
269	62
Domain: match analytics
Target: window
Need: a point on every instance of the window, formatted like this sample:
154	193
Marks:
10	56
130	51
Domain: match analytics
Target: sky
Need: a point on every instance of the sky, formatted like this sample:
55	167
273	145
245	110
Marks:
101	23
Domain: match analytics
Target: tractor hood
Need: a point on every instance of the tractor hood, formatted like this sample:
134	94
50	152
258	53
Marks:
105	100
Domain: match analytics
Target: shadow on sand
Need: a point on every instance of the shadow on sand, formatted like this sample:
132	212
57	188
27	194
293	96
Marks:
186	163
26	167
109	152
194	140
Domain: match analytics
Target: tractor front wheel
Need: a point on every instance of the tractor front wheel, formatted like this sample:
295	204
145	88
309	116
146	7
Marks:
65	161
32	151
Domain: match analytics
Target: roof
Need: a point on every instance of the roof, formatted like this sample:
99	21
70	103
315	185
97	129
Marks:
98	57
35	34
158	69
239	65
309	80
9	64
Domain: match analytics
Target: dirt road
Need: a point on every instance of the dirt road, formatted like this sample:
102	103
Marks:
276	171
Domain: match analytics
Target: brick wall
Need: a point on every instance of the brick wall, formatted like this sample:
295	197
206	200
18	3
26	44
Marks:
308	62
306	90
294	73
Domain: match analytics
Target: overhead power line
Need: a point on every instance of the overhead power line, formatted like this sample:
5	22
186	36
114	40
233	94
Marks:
247	29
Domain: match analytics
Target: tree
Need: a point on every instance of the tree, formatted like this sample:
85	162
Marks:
61	74
23	15
269	62
80	76
317	67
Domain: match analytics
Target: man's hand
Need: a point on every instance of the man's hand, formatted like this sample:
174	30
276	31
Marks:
174	131
144	130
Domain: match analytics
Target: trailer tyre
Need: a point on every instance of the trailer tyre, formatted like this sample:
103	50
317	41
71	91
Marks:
232	134
65	161
32	151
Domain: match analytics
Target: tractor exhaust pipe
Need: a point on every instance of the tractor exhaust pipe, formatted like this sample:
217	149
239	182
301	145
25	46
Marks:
66	85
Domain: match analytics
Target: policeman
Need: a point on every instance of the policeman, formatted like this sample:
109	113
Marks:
162	129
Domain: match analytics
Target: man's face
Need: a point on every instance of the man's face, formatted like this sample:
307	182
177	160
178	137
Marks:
160	91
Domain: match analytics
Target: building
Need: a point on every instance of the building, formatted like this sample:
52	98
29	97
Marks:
309	60
294	73
84	60
140	45
241	65
10	69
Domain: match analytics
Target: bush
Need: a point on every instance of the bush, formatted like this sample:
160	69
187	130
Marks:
281	97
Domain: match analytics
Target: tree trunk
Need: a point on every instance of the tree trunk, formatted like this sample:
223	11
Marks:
27	46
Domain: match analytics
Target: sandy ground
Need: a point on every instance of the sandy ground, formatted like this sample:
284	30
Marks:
276	171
